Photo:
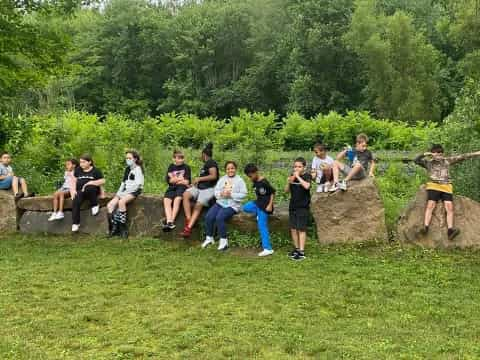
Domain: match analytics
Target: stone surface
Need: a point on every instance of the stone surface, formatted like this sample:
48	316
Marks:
467	215
8	212
145	219
355	215
45	203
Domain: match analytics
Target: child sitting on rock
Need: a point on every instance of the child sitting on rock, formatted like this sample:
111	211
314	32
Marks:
322	166
439	187
8	180
361	162
63	193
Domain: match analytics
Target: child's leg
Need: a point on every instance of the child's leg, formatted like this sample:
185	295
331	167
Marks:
23	184
357	168
262	222
450	213
112	204
294	234
210	219
429	211
91	193
337	167
328	174
15	185
77	202
102	195
250	207
197	210
123	202
302	238
176	207
223	215
57	200
167	205
187	206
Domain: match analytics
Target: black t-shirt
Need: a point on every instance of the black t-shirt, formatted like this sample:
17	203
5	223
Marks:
264	191
299	196
204	171
178	171
85	176
364	158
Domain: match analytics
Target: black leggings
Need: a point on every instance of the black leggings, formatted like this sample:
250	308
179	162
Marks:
91	194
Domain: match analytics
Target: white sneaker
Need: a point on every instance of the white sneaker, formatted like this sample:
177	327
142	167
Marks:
343	185
95	210
223	245
326	187
209	240
334	187
266	252
75	227
53	216
320	188
60	216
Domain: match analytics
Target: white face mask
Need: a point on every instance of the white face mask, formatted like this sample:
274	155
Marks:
130	162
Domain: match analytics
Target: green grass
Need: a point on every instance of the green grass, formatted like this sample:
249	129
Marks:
101	299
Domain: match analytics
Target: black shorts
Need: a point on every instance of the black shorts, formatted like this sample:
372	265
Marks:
298	219
435	195
174	192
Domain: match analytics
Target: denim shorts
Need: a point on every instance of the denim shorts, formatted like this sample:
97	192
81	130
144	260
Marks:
6	184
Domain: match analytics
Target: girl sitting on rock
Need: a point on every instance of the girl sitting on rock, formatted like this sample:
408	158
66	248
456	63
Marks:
61	194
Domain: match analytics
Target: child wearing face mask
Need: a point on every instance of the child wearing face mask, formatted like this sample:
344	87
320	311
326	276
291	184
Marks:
130	188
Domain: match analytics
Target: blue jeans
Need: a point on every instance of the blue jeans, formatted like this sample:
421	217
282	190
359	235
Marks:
218	215
262	222
6	184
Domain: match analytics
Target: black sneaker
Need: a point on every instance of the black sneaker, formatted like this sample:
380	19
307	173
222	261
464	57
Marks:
171	226
299	256
453	233
166	227
292	253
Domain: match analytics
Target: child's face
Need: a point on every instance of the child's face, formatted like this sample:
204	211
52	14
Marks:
230	170
253	176
437	155
298	167
69	166
361	146
84	164
321	153
6	159
178	159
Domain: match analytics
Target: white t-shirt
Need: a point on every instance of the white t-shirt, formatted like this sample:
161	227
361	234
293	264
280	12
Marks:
318	165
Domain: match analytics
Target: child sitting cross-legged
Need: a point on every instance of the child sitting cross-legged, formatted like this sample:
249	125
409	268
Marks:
322	168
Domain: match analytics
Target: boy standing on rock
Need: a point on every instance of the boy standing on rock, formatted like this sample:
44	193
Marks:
440	188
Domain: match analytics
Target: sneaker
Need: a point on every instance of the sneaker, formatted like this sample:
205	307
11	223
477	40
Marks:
334	187
292	253
299	256
60	216
321	188
53	216
171	225
223	245
95	210
187	231
424	231
75	227
453	233
343	185
265	252
209	240
165	227
326	187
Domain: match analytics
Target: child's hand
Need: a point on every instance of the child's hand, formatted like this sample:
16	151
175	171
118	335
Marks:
73	194
291	179
195	181
269	208
427	154
226	193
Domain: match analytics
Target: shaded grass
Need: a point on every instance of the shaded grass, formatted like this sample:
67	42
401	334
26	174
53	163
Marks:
103	299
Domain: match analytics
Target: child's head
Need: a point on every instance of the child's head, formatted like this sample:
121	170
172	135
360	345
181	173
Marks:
437	151
320	150
133	157
299	165
71	164
251	171
207	152
86	161
231	168
361	142
5	158
178	157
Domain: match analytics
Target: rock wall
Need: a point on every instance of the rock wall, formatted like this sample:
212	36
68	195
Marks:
8	212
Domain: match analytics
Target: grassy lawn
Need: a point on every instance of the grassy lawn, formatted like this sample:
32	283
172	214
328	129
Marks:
102	299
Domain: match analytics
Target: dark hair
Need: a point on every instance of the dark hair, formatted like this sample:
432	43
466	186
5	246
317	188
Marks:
436	148
178	153
319	146
250	169
73	161
232	163
87	157
4	153
362	138
301	160
136	156
208	150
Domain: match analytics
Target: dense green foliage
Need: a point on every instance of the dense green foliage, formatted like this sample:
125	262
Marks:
397	59
144	298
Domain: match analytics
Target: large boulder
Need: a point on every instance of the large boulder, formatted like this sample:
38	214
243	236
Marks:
355	215
45	203
467	213
8	212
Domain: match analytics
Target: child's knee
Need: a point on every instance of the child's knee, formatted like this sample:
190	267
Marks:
448	206
431	205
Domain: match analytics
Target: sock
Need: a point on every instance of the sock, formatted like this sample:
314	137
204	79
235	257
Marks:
120	217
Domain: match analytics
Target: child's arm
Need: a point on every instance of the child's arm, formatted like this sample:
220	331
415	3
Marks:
239	191
459	158
420	160
270	203
212	175
305	184
98	183
73	187
373	165
290	179
219	188
341	155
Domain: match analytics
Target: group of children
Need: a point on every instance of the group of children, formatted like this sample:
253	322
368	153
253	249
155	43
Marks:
223	196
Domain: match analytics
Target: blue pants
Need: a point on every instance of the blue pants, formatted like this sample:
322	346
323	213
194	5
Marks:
218	215
262	222
6	184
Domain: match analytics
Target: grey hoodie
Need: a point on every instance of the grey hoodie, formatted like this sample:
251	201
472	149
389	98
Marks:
238	188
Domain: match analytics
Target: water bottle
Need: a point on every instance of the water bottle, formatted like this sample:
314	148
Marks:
350	153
